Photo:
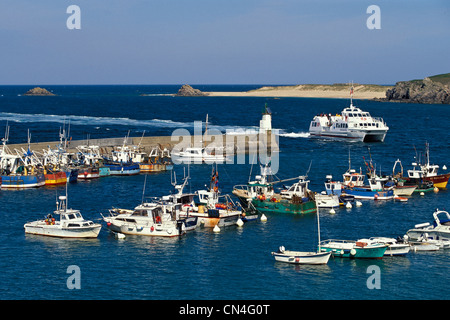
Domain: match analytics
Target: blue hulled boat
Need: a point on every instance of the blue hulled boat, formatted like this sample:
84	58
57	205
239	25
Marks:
121	168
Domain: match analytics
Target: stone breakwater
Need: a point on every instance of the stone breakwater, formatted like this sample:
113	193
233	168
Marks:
232	143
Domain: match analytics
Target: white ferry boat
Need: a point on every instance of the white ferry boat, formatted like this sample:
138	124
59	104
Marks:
352	124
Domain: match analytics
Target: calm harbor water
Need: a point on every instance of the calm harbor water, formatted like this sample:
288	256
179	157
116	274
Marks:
235	263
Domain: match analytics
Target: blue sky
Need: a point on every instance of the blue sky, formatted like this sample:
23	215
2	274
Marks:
222	41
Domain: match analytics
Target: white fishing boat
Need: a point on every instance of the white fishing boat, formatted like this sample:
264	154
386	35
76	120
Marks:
401	188
330	197
439	230
212	209
299	257
71	224
352	124
147	219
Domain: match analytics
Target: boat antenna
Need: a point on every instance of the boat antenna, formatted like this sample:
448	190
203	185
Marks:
143	189
67	201
351	95
349	160
251	168
310	163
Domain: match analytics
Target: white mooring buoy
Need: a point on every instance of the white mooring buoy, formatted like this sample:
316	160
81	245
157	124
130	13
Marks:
263	218
119	235
216	228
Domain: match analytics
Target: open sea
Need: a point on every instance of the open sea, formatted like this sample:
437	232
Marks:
235	264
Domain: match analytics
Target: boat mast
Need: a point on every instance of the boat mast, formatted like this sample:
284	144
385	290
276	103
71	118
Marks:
351	96
318	227
206	131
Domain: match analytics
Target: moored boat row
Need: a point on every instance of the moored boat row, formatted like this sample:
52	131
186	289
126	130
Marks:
22	169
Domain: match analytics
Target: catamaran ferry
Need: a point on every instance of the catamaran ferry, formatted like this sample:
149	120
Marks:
352	124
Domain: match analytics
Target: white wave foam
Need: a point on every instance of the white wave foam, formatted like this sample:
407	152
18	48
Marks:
88	120
295	135
98	122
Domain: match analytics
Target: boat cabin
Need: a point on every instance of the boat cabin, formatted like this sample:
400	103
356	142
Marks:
298	189
424	171
353	179
333	187
73	219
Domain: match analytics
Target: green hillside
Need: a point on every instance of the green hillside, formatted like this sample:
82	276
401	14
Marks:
442	78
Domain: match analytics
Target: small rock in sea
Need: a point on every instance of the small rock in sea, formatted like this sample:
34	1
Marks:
187	91
38	92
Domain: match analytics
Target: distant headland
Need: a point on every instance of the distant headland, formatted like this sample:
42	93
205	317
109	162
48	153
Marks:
433	89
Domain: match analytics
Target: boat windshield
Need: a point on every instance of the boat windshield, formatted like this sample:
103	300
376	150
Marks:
140	213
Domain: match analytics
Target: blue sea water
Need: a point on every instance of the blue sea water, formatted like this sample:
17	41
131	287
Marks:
236	263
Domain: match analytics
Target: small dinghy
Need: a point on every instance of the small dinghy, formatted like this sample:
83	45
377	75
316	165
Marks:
298	257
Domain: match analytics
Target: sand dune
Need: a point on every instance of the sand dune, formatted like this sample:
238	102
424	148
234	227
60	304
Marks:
311	91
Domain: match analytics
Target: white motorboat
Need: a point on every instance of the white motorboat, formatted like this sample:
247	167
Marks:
200	154
423	246
299	257
70	225
439	230
197	155
148	219
352	124
395	247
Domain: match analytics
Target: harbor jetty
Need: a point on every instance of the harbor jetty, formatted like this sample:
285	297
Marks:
240	143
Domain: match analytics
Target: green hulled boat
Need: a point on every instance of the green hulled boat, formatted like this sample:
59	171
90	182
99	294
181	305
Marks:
353	249
298	199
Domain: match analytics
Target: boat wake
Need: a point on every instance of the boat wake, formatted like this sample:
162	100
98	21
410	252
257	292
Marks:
294	134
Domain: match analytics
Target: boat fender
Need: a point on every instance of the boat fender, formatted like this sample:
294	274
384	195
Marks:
352	252
152	228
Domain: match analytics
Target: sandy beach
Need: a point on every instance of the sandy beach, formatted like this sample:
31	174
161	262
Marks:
311	91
